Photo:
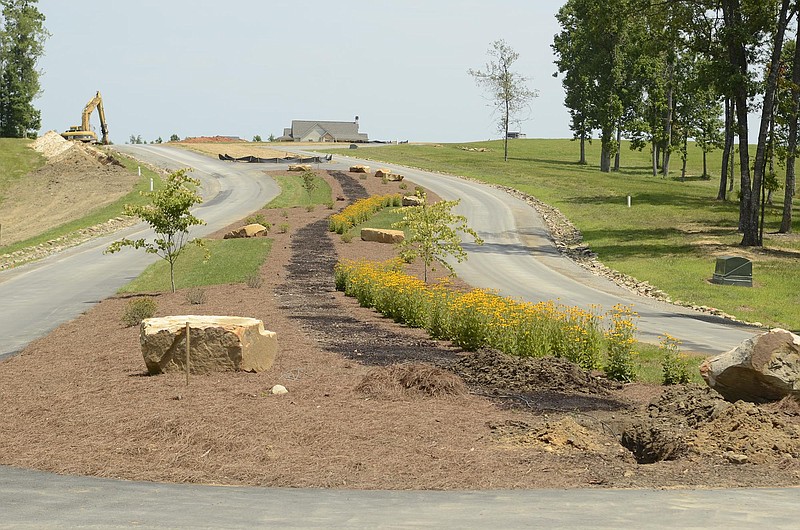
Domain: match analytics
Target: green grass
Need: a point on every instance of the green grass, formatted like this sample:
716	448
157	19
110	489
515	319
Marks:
99	215
384	219
648	364
294	194
670	236
17	159
231	261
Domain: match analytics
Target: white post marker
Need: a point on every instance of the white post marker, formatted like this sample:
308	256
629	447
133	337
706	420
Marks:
629	201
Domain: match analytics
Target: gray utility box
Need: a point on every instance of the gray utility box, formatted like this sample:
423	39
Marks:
732	270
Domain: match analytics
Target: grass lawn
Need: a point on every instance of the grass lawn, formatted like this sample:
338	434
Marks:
670	236
17	159
231	261
294	194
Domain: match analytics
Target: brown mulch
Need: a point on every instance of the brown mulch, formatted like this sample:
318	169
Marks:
371	403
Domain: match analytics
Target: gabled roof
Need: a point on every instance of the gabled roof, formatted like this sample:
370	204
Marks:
339	130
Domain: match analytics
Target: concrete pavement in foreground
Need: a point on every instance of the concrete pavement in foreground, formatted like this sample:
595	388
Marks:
34	499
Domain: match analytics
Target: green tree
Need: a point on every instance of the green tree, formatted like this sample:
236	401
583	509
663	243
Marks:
434	233
22	37
507	89
169	216
174	138
257	138
158	140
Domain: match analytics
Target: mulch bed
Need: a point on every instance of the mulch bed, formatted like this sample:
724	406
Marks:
79	400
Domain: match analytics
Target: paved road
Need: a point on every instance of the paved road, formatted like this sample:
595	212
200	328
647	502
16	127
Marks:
36	500
520	260
38	297
517	259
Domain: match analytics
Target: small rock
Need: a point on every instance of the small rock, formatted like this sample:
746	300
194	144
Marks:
735	458
278	390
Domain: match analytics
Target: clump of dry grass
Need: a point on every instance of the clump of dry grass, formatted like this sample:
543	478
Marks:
411	378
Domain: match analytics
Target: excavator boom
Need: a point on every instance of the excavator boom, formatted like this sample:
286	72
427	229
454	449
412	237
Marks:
84	132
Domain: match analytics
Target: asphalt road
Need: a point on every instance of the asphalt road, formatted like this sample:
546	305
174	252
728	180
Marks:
519	259
36	500
38	297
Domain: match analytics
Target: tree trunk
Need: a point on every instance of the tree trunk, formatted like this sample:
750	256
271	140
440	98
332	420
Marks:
705	165
617	154
668	119
606	149
788	189
654	156
684	154
752	231
726	152
582	161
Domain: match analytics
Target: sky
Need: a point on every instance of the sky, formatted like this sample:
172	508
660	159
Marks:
249	67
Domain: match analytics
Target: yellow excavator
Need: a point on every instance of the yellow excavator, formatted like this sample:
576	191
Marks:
84	132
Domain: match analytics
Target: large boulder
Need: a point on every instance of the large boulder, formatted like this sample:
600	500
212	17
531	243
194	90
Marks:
388	175
359	169
300	167
251	230
413	200
762	368
382	235
217	344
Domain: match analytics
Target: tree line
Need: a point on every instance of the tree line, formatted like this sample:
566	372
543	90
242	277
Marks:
22	37
658	72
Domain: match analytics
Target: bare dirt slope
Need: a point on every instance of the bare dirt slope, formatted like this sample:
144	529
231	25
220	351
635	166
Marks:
75	180
357	415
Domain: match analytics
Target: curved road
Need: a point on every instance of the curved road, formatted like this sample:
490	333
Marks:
38	297
518	259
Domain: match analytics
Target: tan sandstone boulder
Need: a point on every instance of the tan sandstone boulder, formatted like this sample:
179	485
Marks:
762	368
299	167
388	175
217	344
382	235
251	230
412	200
359	169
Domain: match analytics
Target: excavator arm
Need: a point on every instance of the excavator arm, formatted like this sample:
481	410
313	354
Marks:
95	103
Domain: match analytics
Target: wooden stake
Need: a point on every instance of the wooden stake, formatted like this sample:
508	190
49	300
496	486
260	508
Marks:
188	358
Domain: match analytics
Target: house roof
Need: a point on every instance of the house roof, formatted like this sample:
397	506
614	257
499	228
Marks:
339	130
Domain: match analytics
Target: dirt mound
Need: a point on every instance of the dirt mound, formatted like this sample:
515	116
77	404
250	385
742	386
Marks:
696	419
557	435
493	369
411	379
52	144
75	180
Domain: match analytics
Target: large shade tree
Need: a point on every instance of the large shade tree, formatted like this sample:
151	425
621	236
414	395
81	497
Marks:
22	37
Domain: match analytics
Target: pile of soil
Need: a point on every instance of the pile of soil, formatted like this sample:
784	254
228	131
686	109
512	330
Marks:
79	400
76	179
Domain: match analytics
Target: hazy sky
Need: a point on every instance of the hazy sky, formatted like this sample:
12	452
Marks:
247	67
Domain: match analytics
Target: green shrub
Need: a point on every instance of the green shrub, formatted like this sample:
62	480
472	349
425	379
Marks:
619	342
674	367
258	219
283	228
403	186
347	237
310	207
137	310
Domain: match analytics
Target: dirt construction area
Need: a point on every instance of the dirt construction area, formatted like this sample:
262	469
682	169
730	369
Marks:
371	404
